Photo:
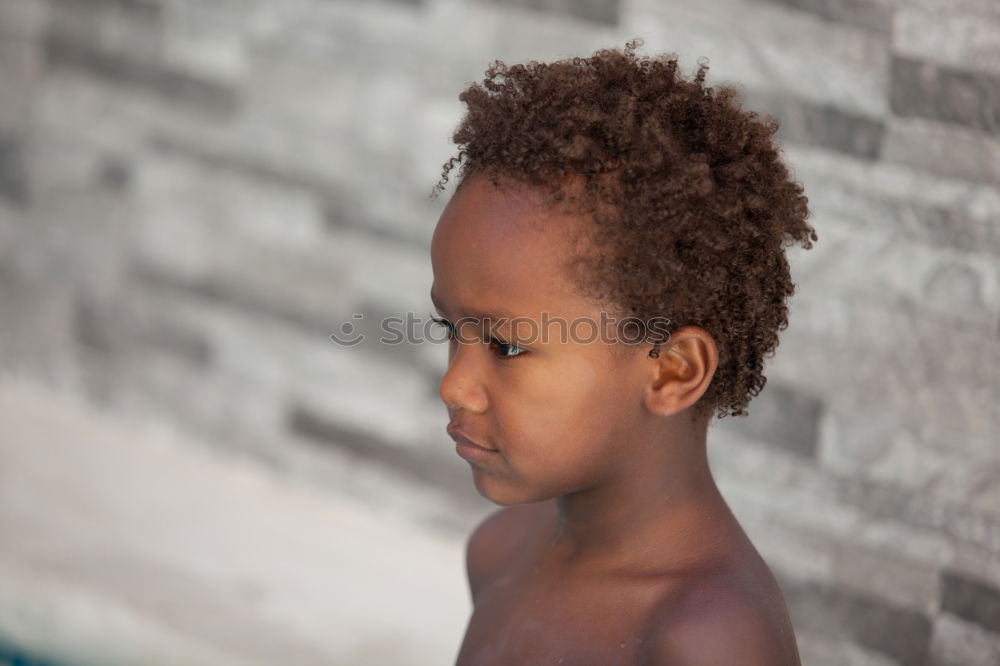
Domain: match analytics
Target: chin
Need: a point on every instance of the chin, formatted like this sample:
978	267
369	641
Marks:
502	493
500	496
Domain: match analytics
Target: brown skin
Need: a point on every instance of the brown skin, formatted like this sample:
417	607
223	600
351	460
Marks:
616	546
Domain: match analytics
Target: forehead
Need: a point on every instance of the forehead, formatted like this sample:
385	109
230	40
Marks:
502	248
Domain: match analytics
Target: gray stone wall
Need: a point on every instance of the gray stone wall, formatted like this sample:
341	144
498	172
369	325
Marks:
195	193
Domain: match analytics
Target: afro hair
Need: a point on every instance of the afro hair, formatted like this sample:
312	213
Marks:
690	204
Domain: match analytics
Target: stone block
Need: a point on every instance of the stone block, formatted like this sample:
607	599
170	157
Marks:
104	31
23	19
919	204
206	42
796	551
763	484
365	391
903	635
411	340
886	574
949	396
932	425
821	125
122	41
265	149
782	417
984	8
351	202
947	36
975	565
424	467
879	570
767	489
37	316
171	85
881	263
22	63
180	190
973	600
14	185
958	643
820	650
943	149
900	455
862	13
966	526
950	228
346	213
230	215
274	295
144	8
920	89
112	329
360	389
766	48
237	403
114	173
599	11
122	123
204	228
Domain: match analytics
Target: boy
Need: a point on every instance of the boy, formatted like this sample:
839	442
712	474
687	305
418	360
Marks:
609	195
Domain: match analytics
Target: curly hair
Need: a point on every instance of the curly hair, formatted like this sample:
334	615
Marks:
690	201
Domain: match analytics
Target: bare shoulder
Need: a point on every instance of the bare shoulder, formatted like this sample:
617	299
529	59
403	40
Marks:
720	620
496	539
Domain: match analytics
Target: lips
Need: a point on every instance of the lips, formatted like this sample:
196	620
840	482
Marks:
461	438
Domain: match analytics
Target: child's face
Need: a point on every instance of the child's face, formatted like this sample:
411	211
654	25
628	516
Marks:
563	414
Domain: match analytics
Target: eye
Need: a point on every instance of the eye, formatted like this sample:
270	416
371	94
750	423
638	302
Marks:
505	350
446	324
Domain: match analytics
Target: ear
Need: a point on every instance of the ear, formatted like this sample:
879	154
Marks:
682	371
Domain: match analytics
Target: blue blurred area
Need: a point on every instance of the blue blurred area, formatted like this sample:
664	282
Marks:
11	655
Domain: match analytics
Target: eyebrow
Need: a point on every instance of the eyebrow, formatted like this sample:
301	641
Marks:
474	314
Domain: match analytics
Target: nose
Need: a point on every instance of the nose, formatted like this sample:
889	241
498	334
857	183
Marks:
461	387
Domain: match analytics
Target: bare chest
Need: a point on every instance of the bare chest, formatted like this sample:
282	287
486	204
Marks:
531	619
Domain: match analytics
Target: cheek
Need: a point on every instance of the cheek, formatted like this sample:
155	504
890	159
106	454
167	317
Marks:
562	410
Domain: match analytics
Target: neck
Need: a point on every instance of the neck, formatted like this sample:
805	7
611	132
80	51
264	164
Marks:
660	508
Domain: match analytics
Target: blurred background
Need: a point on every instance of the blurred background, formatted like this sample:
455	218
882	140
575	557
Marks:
194	194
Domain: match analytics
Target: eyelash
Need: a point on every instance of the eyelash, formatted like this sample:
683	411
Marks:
493	341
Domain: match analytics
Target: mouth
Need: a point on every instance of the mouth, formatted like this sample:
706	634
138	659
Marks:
470	449
461	439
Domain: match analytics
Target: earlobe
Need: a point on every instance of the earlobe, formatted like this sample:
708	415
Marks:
681	371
